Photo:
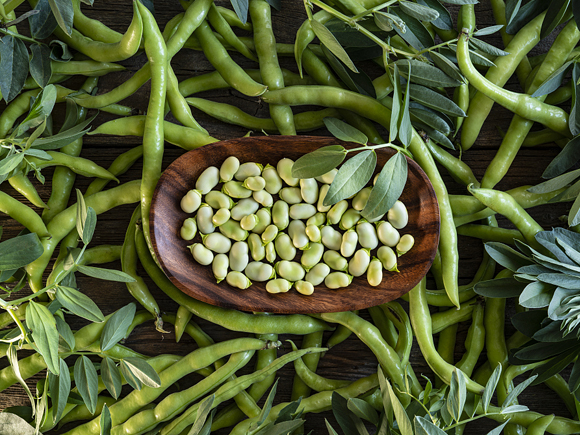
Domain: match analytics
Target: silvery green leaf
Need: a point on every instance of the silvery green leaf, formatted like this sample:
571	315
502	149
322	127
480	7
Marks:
554	81
526	14
350	37
417	11
388	188
435	100
43	23
498	430
63	138
487	48
490	387
19	251
13	66
268	405
40	110
479	59
445	65
444	21
555	365
352	176
65	332
506	256
457	394
555	183
87	382
574	215
425	74
396	106
386	22
560	280
554	16
111	377
117	325
63	12
488	30
471	404
405	127
143	371
499	288
105	421
328	39
461	2
202	413
78	303
357	82
363	410
424	426
514	408
40	66
343	131
59	51
429	117
81	213
511	9
106	274
89	226
319	161
401	417
434	135
283	428
241	8
343	415
568	157
59	387
415	34
572	253
43	326
39	154
130	377
13	424
518	389
330	429
536	295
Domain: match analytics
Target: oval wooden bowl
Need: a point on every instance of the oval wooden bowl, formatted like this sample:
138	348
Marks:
198	281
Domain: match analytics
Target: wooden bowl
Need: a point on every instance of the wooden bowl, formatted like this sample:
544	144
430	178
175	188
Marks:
198	281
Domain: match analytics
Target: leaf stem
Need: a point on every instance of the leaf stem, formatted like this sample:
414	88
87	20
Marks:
363	14
430	49
17	35
371	147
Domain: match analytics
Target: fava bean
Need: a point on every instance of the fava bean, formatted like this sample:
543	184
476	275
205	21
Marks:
335	213
221	217
258	271
336	280
208	180
321	195
361	198
204	219
331	238
228	169
249	169
327	178
405	244
188	229
304	287
290	270
278	285
375	272
256	247
255	184
219	267
201	254
309	190
302	211
284	168
316	275
265	219
291	195
263	198
233	230
313	233
349	219
238	280
297	232
349	242
388	258
398	215
367	235
335	261
217	242
239	257
269	234
273	180
244	207
217	200
359	263
191	201
312	256
284	247
235	189
281	215
387	234
249	222
270	252
317	220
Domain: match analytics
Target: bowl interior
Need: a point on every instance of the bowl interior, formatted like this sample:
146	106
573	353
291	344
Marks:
198	281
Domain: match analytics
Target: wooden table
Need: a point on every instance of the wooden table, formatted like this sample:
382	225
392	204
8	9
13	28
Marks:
350	360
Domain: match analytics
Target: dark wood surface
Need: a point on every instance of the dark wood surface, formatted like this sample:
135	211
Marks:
198	281
350	360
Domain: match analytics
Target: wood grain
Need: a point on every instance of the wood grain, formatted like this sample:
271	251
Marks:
198	281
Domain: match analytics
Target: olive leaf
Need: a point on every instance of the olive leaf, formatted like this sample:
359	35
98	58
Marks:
526	14
352	176
461	2
435	100
574	121
363	410
202	414
78	303
415	34
358	82
117	326
574	215
388	188
425	427
342	414
444	20
517	390
490	387
65	332
405	127
435	135
554	15
13	424
418	11
63	138
43	326
429	117
425	74
268	404
40	110
241	9
396	106
445	65
536	295
506	256
318	162
487	48
488	30
87	382
555	183
328	39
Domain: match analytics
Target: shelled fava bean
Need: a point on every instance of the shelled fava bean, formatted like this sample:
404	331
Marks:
291	240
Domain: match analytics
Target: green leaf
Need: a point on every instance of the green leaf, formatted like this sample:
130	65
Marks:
425	74
488	30
424	426
487	48
39	154
526	14
536	295
65	332
430	118
490	387
241	8
457	394
576	12
44	333
461	2
106	274
574	380
351	37
59	387
574	120
130	377
63	138
554	366
435	100
328	39
10	163
417	11
268	405
79	304
397	103
40	110
528	322
13	66
40	66
518	389
87	382
13	424
81	213
560	280
445	65
574	215
330	429
401	416
511	9
444	21
319	161
405	127
19	251
554	15
105	421
283	428
435	135
343	131
415	34
363	410
111	377
542	351
12	357
59	51
498	430
43	23
554	81
499	288
568	157
63	13
342	414
572	253
387	22
352	176
388	188
202	413
117	326
555	183
357	82
143	371
506	256
89	226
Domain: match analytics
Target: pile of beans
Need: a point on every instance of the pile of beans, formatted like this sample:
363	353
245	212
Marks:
254	227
